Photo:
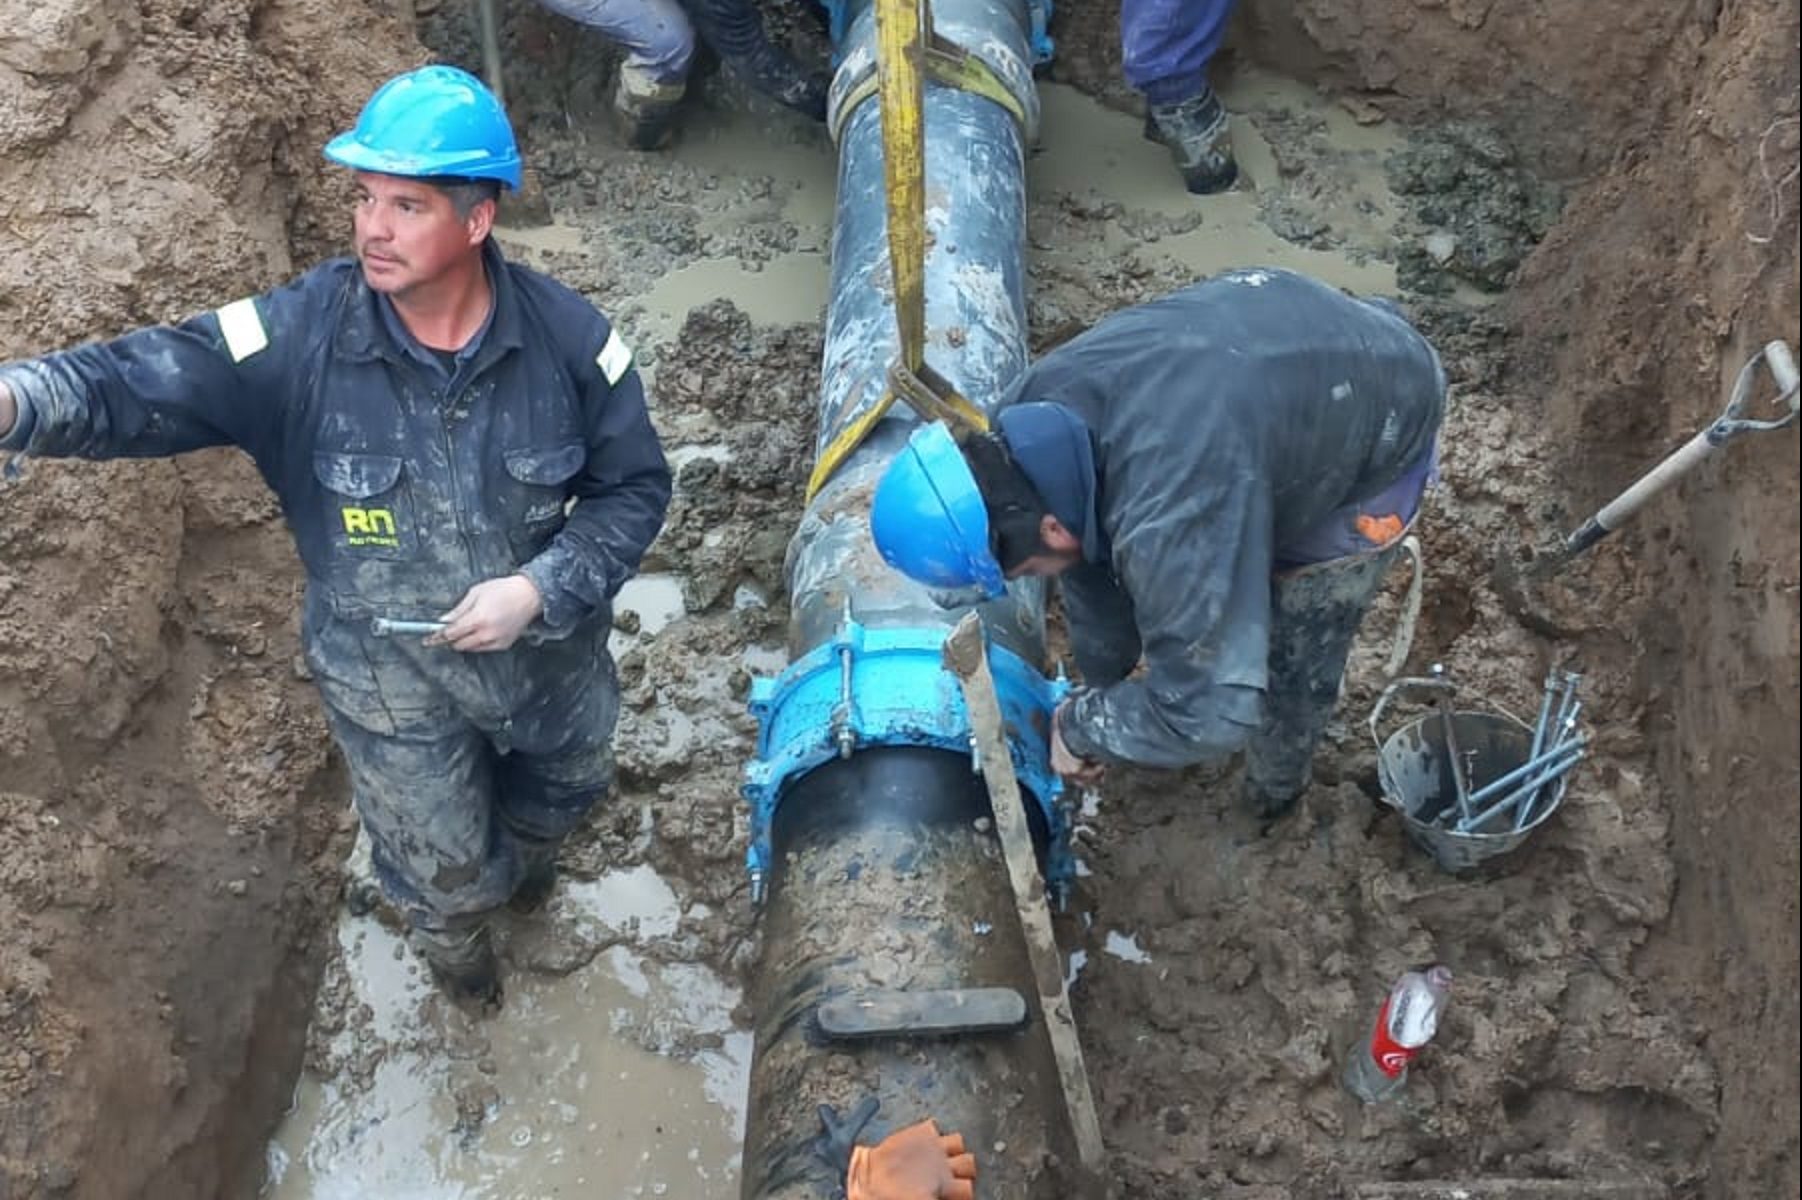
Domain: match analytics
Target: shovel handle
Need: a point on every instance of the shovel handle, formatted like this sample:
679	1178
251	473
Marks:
1774	357
1614	514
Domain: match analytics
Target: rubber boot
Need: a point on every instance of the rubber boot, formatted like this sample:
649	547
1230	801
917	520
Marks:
462	961
1199	137
646	109
539	879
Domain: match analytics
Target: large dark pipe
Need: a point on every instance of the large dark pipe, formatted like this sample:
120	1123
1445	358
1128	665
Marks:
886	883
893	967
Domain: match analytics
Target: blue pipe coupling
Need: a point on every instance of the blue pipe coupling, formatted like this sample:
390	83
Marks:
888	687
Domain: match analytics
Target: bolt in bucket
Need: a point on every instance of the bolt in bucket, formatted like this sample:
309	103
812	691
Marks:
1420	781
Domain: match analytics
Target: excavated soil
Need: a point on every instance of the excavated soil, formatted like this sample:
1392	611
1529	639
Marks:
172	817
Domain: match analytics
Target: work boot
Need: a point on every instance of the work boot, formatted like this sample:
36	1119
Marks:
462	961
539	879
646	109
1200	139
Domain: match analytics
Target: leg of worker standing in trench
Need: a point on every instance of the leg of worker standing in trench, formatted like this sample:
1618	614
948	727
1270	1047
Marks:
559	763
1315	614
424	782
1166	48
659	41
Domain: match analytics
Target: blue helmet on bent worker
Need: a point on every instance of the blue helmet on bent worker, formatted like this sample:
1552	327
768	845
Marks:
434	122
929	520
1018	499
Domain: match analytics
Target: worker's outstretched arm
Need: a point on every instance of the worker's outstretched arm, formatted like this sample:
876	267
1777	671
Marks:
1104	634
211	380
734	29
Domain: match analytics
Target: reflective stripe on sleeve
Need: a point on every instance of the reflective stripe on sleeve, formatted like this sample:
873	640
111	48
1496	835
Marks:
615	358
242	328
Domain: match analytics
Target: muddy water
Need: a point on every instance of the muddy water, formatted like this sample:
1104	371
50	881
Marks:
1099	157
623	1078
621	1075
656	598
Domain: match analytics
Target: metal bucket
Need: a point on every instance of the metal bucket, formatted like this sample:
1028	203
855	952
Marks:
1416	777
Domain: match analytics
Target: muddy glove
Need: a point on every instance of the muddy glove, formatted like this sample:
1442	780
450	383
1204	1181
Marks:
838	1136
1083	772
916	1163
734	30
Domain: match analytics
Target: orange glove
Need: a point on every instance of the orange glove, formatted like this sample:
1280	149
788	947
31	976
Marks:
916	1163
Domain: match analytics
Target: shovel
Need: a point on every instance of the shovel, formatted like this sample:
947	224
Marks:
1777	360
1731	424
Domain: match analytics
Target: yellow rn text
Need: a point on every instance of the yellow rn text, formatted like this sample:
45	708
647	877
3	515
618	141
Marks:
370	527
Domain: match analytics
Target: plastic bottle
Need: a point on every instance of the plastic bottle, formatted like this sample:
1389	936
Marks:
1377	1066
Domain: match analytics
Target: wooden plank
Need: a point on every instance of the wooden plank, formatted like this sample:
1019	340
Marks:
966	655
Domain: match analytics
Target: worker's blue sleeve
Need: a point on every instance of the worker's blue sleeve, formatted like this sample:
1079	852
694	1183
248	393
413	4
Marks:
620	497
1166	45
735	31
157	391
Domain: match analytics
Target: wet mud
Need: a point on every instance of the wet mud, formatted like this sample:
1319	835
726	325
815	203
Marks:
174	818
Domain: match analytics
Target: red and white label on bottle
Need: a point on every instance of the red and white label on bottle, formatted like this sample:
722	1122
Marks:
1390	1056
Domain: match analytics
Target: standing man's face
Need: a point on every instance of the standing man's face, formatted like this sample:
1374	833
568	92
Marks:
407	232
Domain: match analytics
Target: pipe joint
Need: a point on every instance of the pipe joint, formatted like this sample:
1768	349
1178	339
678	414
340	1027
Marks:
888	687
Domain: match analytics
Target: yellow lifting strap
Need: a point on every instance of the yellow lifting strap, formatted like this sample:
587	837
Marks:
903	32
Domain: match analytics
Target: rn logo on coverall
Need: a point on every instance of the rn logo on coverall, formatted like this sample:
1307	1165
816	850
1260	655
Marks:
370	527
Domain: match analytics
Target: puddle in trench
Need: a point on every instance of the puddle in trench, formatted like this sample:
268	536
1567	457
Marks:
623	1079
790	289
524	242
1086	149
656	598
765	660
1125	946
785	173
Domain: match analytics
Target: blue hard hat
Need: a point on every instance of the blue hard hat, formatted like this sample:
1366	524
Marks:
429	123
928	517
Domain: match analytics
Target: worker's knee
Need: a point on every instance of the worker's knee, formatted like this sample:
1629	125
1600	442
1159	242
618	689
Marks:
537	809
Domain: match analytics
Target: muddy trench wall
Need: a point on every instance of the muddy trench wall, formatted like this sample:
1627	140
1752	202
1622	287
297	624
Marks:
1632	319
165	790
160	157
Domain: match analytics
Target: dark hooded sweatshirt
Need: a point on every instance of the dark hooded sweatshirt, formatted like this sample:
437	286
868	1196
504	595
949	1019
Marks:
1229	419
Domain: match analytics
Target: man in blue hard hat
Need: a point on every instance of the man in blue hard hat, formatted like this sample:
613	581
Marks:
457	442
1219	480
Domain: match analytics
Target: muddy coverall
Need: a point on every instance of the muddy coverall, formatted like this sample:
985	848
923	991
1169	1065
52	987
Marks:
1248	431
406	477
